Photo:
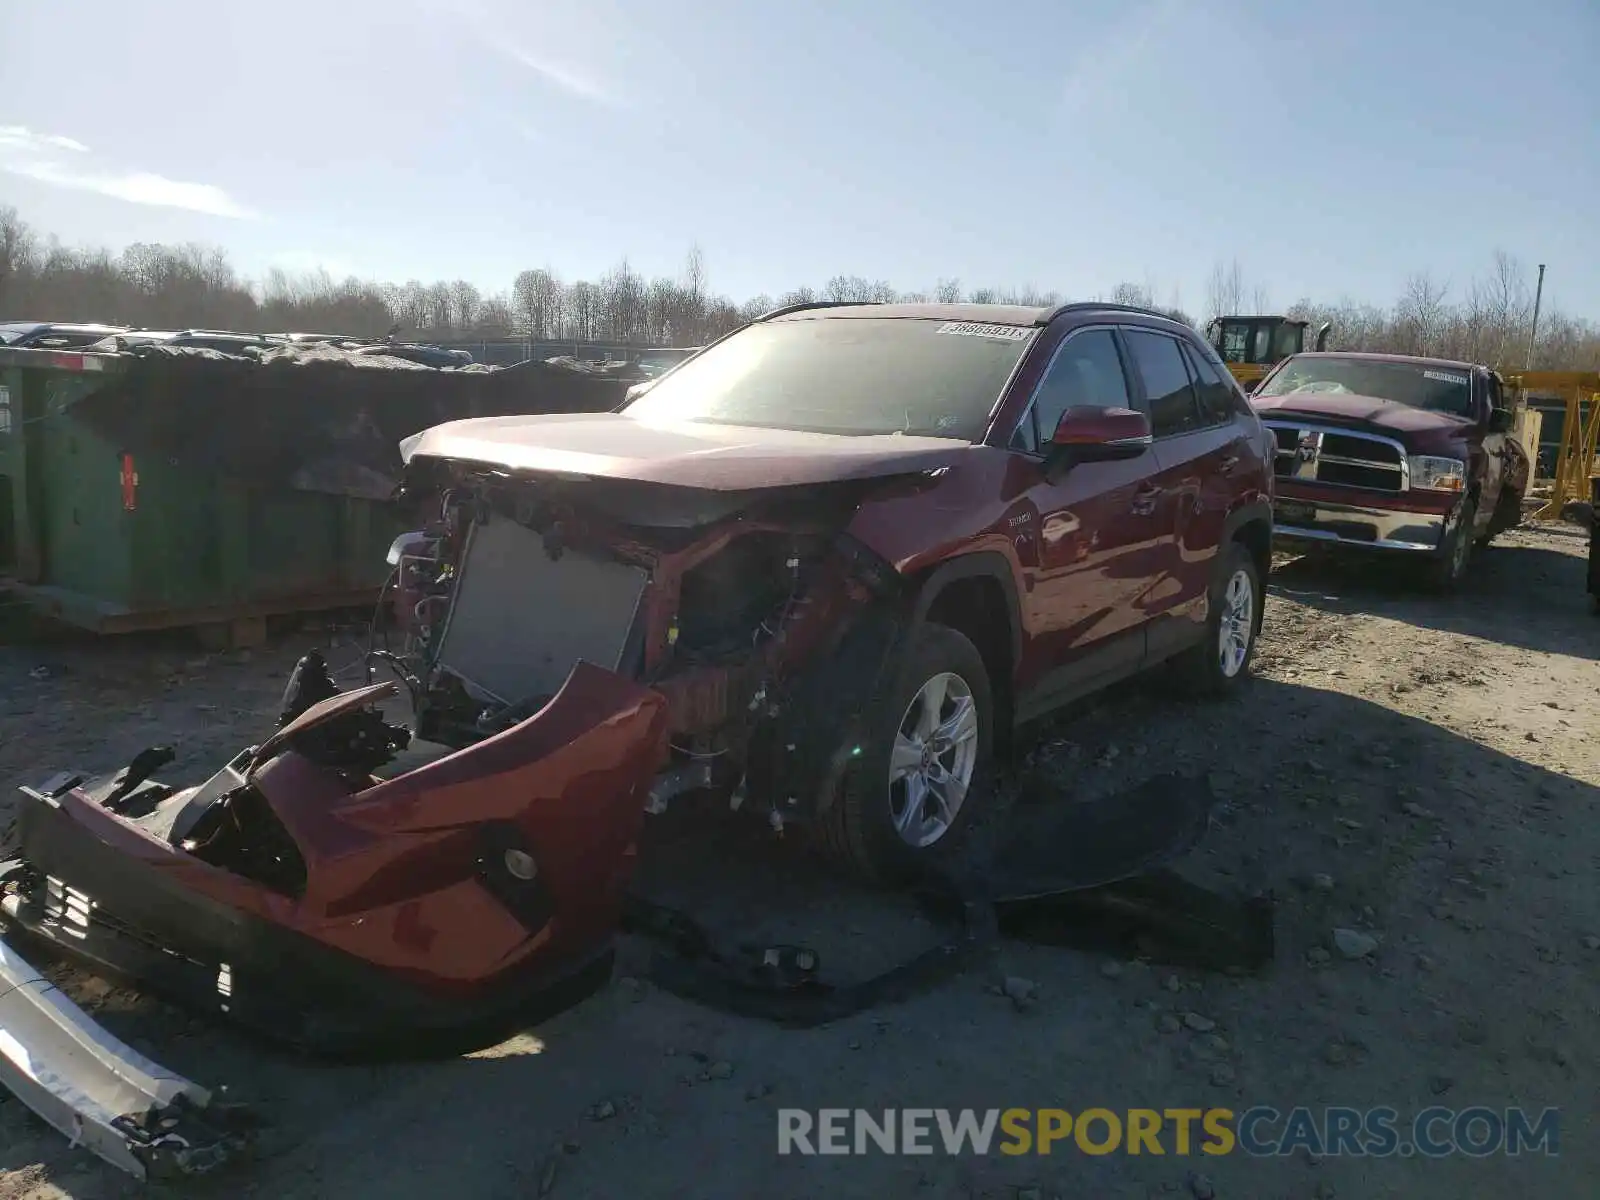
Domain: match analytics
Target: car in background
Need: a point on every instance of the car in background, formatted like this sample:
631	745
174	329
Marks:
417	352
223	341
120	343
48	335
1393	454
337	339
227	341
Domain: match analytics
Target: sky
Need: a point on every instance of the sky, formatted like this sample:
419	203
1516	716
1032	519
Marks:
1332	150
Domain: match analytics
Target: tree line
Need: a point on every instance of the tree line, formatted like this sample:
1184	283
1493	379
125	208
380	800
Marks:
1486	319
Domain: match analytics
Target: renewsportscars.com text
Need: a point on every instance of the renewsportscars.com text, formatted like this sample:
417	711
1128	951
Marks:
1259	1131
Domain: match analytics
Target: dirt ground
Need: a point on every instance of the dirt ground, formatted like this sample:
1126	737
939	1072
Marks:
1424	771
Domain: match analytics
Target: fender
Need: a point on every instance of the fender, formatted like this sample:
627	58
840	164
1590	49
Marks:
826	712
987	564
1259	509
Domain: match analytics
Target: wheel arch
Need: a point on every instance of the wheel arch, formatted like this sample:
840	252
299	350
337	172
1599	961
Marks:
1251	526
976	595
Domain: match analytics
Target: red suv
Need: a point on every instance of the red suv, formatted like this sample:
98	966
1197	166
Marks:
822	568
853	545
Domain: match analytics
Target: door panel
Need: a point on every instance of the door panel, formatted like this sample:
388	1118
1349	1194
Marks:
1199	445
1094	535
1099	542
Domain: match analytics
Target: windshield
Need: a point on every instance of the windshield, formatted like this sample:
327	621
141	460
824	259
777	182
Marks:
14	332
1437	389
846	375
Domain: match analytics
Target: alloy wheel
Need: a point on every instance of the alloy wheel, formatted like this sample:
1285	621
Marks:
935	754
1237	625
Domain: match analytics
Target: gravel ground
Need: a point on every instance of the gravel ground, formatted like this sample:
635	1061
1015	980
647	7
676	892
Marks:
1420	772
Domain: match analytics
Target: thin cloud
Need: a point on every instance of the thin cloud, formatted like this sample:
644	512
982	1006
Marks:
20	137
485	22
564	76
38	156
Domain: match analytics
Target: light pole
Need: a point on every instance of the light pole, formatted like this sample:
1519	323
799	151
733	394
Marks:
1533	333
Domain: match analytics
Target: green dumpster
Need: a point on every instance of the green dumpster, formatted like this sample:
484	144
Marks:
111	536
171	487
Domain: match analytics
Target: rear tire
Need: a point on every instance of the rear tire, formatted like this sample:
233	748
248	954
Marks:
1220	662
908	800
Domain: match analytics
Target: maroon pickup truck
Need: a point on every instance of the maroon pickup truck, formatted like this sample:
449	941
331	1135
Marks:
1382	452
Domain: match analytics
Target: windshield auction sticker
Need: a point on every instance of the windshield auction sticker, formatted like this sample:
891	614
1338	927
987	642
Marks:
1444	377
1003	333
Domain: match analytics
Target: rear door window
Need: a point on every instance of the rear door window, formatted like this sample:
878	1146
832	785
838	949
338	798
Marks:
1218	400
1174	407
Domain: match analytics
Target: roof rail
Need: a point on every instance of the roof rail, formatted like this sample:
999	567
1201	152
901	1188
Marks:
1062	310
805	304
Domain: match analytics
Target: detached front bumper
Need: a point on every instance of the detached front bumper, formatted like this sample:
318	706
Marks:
1374	521
433	911
400	920
125	916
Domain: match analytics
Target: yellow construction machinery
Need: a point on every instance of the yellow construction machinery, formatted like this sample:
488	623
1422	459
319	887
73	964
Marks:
1580	432
1252	346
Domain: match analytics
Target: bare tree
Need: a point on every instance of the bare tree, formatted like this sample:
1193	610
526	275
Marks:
1225	290
165	286
1422	313
465	301
800	295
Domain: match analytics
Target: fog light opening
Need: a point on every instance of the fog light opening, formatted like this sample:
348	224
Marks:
520	865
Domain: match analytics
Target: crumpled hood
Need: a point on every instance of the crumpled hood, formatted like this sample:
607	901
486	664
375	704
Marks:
686	454
1401	420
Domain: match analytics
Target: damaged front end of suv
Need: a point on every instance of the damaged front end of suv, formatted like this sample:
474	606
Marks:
578	651
754	616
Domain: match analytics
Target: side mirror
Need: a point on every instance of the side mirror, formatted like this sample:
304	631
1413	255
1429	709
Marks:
1501	420
1089	434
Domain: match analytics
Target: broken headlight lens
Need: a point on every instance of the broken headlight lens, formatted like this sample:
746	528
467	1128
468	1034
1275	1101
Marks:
1437	474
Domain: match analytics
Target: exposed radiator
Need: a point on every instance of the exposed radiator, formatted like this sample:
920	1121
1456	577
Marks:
520	620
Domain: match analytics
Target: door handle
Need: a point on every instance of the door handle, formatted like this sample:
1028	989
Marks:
1227	465
1144	500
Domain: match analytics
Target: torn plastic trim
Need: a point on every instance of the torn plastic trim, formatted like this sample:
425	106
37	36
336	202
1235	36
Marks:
1095	879
101	1093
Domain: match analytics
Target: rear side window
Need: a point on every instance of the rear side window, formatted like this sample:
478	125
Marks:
1217	397
1087	372
1173	405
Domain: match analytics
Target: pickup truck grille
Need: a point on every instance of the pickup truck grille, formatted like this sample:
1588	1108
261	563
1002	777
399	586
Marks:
1322	454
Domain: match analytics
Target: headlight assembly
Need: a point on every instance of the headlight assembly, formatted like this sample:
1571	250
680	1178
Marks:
1437	474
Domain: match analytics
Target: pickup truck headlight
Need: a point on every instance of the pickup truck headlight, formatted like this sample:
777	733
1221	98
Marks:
1437	474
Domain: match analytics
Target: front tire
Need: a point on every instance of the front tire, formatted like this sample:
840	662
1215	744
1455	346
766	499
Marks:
1449	564
908	800
1220	662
